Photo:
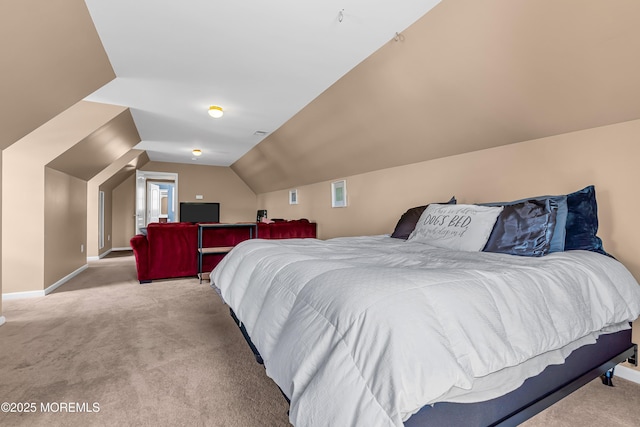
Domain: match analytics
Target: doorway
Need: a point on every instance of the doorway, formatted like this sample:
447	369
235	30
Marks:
161	205
156	198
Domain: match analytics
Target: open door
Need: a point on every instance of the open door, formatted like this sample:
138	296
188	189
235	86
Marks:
147	210
153	202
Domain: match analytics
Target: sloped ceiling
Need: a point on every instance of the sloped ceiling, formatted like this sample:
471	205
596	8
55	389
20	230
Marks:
51	58
125	172
467	76
99	149
262	61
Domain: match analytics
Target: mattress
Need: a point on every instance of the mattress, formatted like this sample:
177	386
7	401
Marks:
368	330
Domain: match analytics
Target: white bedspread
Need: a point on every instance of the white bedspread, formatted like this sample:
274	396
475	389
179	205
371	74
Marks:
367	330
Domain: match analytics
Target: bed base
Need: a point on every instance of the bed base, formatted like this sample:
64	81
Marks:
245	334
634	359
553	397
536	394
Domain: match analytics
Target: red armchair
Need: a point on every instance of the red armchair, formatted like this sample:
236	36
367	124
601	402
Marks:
167	250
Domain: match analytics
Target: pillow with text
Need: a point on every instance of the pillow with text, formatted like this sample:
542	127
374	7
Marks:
457	227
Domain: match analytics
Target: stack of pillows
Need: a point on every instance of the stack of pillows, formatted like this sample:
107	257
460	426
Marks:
528	227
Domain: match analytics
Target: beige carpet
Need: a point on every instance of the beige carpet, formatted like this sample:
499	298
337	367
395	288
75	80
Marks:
168	354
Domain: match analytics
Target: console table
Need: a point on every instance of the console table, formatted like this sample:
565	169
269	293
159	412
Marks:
202	251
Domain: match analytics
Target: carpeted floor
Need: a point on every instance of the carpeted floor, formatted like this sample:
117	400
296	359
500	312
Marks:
168	354
162	354
119	254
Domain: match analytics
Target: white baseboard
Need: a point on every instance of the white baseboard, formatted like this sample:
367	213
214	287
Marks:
65	279
102	255
96	258
32	294
105	253
127	248
2	320
627	373
21	295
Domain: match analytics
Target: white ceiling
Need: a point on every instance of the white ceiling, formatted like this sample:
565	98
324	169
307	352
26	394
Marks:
261	61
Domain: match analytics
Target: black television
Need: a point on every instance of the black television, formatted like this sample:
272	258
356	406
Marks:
199	212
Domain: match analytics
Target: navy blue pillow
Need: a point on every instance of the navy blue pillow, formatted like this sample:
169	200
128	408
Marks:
558	202
524	228
582	221
407	222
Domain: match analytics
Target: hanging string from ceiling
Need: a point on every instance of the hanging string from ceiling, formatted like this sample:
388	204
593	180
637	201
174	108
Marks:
398	37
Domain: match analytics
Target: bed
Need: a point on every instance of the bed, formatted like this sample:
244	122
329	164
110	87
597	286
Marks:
379	330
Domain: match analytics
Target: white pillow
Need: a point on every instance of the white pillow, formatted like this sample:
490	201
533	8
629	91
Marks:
458	227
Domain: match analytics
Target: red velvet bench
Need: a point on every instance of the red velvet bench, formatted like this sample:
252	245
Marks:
170	250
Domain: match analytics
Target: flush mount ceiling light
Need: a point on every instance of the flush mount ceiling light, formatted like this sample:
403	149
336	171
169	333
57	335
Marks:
197	152
215	111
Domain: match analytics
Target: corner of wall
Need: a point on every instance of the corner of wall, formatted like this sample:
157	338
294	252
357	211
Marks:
1	317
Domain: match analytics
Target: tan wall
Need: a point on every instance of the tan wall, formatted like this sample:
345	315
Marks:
606	157
23	247
23	182
0	234
106	180
468	75
67	47
123	213
65	224
215	184
52	57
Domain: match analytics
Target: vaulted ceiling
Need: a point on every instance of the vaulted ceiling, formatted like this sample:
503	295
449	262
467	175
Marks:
467	76
261	61
51	58
338	88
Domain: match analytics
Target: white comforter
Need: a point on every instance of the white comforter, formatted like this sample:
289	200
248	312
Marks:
367	330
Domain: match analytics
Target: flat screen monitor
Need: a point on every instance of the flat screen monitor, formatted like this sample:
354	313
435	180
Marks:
199	212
